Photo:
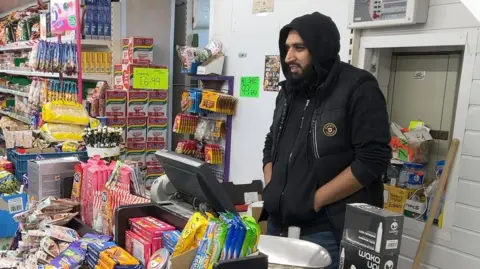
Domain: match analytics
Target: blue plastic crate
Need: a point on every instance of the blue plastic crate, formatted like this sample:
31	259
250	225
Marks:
9	206
20	161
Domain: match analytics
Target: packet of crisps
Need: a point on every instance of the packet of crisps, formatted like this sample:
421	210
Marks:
252	236
239	237
192	234
228	219
204	247
218	242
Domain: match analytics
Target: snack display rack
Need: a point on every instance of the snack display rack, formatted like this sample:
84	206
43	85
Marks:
216	82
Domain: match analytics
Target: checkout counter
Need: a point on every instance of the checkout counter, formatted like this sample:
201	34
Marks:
189	186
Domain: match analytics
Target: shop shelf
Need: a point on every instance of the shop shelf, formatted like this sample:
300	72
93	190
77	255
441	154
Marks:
16	116
25	72
27	45
14	92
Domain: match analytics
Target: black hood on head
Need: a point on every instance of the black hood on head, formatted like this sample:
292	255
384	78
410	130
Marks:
321	37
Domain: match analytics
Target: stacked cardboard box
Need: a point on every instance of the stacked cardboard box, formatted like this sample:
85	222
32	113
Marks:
371	238
138	103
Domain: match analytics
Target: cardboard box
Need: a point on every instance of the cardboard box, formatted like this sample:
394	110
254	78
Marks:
157	129
184	260
137	104
138	246
136	129
374	229
136	152
395	198
152	147
117	77
352	256
115	103
119	123
9	206
137	50
157	103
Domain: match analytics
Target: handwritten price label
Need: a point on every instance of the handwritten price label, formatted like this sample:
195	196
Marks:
150	78
250	87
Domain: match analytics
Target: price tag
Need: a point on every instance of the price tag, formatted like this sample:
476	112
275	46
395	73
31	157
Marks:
150	78
250	87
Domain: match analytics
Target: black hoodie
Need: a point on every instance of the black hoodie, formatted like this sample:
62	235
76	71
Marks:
345	123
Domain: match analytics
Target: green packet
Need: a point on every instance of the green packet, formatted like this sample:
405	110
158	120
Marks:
252	236
218	242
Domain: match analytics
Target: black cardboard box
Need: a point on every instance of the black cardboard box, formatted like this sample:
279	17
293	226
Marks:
353	257
373	229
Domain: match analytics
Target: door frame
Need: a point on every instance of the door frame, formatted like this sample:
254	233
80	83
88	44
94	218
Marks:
369	55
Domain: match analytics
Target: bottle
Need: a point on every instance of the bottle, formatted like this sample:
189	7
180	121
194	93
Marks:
378	243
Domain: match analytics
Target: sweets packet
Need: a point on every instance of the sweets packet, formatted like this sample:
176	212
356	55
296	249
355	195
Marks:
238	238
201	256
252	236
72	257
228	219
49	246
62	233
218	242
192	234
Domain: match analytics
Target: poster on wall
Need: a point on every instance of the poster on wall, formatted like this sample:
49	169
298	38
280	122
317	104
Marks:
262	6
62	13
271	76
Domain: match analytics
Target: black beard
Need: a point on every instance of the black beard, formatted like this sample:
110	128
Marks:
308	76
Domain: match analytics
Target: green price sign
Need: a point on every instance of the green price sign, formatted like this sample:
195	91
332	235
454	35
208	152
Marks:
150	78
250	87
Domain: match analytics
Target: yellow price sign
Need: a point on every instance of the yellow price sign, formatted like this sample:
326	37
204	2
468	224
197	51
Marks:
150	78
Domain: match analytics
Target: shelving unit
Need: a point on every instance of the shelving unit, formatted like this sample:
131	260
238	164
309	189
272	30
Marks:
16	116
27	45
216	82
14	92
88	76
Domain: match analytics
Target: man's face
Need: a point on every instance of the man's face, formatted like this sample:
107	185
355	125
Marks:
298	57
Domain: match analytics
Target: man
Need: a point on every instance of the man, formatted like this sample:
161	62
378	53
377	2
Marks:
328	143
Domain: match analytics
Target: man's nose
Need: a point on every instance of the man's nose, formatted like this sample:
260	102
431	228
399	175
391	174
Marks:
290	57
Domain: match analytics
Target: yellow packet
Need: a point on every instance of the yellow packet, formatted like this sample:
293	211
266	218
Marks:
192	234
117	256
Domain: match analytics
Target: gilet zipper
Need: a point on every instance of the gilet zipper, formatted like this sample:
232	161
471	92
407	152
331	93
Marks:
290	156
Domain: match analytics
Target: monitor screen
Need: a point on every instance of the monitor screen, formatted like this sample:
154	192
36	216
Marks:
194	177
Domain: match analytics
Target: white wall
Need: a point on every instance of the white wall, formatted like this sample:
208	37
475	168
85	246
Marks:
232	22
242	32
